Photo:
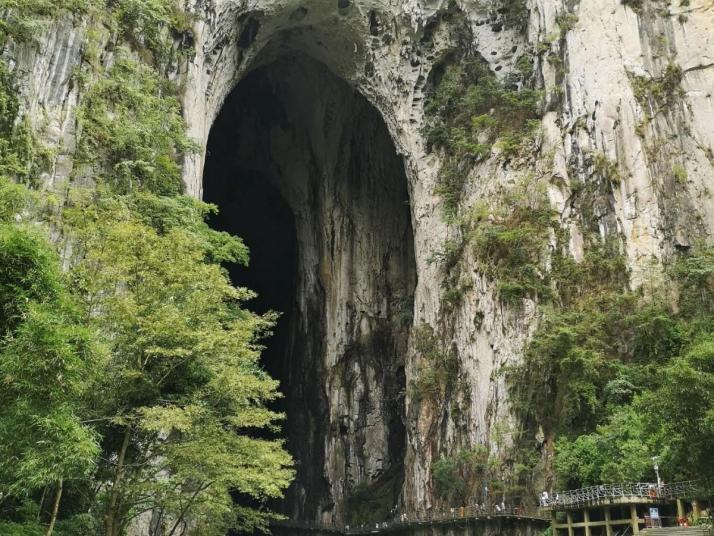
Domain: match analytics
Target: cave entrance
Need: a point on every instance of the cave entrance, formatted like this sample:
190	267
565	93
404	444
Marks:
304	170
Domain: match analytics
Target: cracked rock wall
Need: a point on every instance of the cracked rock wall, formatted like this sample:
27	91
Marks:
386	49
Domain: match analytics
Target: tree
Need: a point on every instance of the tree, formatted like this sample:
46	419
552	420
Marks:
618	451
183	394
680	413
456	477
661	401
46	359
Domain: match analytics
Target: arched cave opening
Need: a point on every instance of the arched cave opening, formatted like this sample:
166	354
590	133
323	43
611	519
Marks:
303	168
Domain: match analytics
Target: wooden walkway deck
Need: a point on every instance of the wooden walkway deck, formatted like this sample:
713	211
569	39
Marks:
458	516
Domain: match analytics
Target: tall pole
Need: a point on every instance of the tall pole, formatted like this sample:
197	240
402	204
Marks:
656	468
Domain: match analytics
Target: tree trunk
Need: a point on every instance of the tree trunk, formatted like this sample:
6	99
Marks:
55	508
111	521
42	504
179	521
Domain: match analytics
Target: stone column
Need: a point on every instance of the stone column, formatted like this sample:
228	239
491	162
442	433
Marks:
571	531
586	519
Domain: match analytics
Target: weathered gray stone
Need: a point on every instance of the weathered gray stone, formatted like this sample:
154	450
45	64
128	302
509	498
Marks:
386	50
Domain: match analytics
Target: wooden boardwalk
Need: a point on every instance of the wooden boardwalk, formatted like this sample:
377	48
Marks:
627	493
627	509
456	516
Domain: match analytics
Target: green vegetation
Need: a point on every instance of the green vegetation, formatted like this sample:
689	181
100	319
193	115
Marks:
130	366
437	377
634	5
145	25
189	386
566	22
627	374
525	66
679	172
456	477
372	502
462	478
569	336
607	169
660	93
148	24
21	156
468	112
46	355
516	14
449	261
24	18
510	240
639	6
187	390
132	130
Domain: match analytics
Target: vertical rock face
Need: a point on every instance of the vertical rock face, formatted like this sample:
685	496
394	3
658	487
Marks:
362	252
308	135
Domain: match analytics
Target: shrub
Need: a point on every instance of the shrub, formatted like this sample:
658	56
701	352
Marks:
659	93
30	273
634	5
510	240
448	485
148	25
437	375
679	173
455	477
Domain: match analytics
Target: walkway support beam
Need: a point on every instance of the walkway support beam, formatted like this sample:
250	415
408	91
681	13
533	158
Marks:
696	510
586	520
554	522
608	521
635	519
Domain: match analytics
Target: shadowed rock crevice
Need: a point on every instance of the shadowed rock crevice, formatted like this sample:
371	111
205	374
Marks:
303	168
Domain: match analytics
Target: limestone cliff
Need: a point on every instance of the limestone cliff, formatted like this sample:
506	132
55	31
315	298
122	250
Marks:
338	126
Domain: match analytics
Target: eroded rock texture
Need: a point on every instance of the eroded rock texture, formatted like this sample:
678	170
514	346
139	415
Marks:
328	111
292	126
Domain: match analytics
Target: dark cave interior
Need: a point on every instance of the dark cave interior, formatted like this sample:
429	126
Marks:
303	168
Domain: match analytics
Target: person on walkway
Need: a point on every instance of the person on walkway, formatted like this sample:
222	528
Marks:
544	498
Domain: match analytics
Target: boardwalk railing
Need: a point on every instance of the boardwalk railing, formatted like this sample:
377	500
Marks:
415	518
641	490
569	499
